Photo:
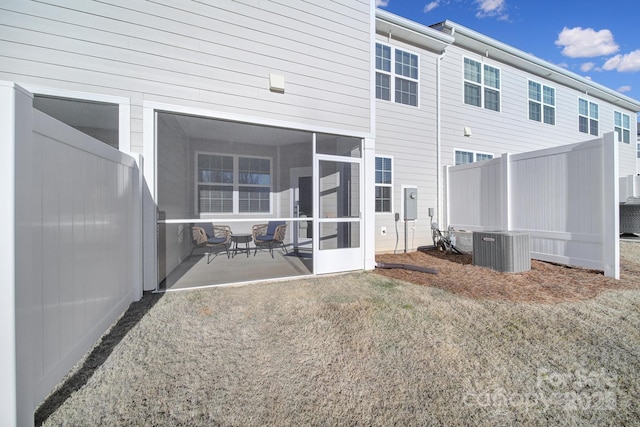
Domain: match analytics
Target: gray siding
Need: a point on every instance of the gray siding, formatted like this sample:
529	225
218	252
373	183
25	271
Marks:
206	54
510	130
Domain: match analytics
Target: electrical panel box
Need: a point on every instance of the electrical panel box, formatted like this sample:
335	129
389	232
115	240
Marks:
410	204
506	251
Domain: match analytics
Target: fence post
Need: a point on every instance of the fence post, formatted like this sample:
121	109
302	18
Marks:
505	173
611	226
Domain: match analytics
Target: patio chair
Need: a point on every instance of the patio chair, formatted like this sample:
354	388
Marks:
209	236
269	236
442	241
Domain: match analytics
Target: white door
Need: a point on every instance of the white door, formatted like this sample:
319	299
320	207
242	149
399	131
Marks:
338	229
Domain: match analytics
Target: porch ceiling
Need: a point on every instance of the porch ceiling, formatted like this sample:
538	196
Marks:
225	131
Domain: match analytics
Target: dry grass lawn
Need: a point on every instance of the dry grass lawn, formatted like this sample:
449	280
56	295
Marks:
466	347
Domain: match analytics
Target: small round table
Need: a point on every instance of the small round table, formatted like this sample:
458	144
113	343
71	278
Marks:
239	239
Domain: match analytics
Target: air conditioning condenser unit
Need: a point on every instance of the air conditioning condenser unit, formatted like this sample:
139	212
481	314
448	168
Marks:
506	251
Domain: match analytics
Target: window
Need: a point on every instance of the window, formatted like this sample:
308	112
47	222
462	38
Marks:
542	103
229	184
465	157
587	117
621	125
481	85
401	80
638	150
384	184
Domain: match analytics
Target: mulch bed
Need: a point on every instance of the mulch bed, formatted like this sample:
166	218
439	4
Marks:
545	282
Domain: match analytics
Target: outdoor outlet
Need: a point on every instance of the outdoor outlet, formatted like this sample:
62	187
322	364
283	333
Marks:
383	231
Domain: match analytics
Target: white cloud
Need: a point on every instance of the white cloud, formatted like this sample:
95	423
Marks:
431	6
382	3
492	8
587	66
629	62
623	89
581	42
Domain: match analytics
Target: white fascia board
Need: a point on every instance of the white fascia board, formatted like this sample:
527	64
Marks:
474	41
397	27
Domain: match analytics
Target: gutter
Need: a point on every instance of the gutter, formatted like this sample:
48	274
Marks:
580	83
414	27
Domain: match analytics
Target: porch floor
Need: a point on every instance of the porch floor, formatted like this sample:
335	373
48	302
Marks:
195	272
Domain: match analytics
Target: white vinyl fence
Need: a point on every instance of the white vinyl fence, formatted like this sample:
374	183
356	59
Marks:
629	187
566	198
70	249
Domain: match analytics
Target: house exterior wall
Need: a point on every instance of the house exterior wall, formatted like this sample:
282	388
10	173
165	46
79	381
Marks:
510	129
407	134
207	54
410	135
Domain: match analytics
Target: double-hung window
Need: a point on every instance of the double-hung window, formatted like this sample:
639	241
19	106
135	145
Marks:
481	85
233	184
465	157
542	103
621	127
587	117
384	183
396	75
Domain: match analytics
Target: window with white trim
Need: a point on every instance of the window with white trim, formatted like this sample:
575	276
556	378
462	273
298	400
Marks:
384	183
622	127
233	184
465	157
587	117
481	85
542	103
401	79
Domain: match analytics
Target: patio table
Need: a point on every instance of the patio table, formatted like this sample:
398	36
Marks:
238	239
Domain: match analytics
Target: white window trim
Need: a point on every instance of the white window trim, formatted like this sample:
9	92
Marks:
124	108
588	116
475	155
542	103
236	185
392	76
482	85
393	177
620	136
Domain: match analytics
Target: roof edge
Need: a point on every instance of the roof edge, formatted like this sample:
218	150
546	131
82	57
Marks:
424	30
453	28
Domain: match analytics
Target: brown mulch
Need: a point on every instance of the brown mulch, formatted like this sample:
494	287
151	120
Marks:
545	282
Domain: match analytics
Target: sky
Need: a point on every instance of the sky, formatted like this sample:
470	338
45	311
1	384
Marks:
599	40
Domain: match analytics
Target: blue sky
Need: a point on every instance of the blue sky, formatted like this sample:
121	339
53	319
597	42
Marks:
596	39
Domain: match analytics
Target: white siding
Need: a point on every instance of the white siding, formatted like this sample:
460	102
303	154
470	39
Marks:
203	54
409	135
510	129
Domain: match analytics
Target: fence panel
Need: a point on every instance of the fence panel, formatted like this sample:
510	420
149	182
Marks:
475	195
564	197
76	250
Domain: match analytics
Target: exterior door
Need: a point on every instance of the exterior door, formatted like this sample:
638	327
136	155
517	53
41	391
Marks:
338	225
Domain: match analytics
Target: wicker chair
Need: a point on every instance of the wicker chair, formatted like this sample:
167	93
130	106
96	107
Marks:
268	236
209	236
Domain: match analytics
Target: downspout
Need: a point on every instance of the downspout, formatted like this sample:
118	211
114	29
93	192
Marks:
439	189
